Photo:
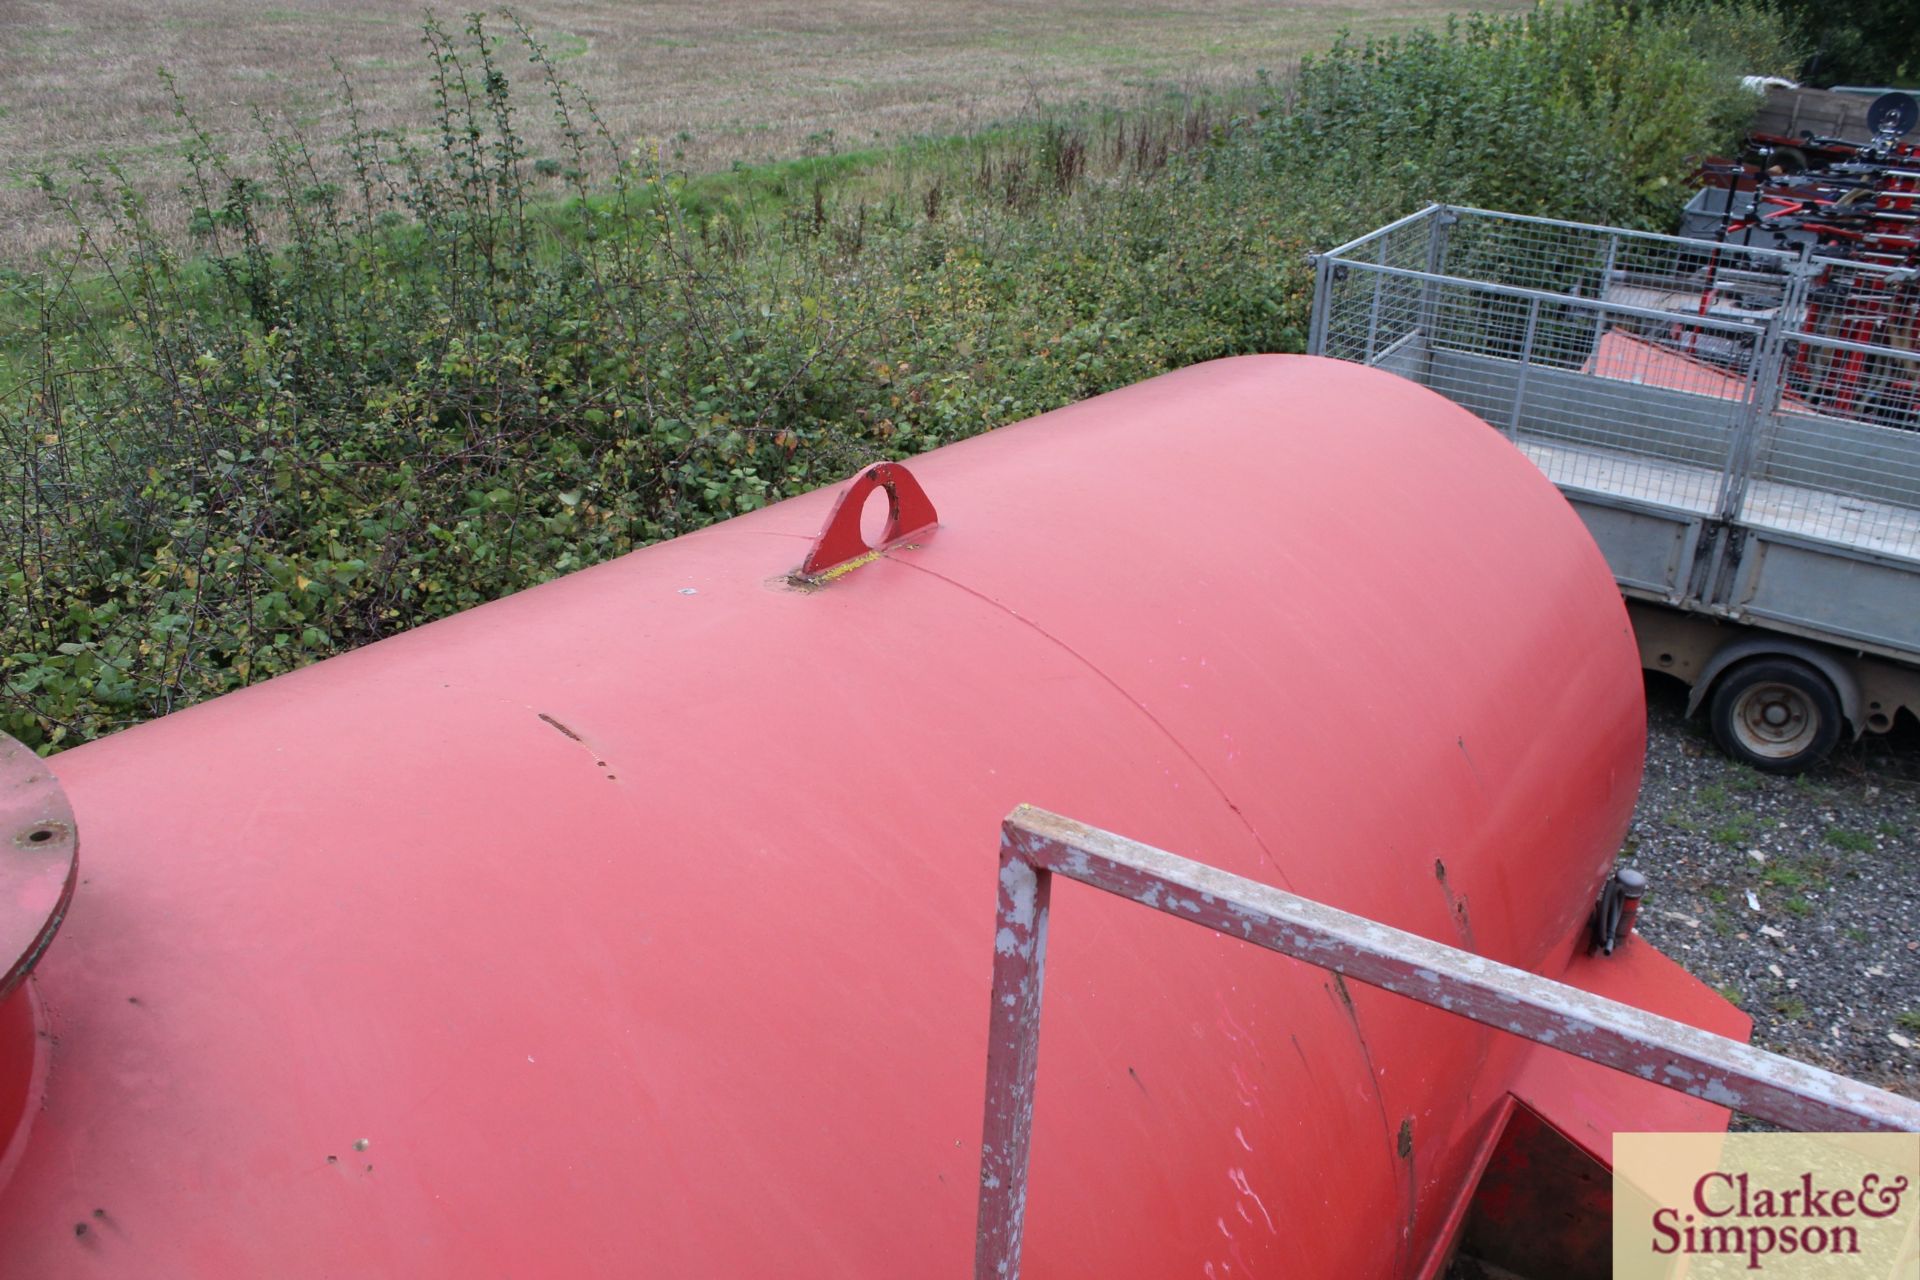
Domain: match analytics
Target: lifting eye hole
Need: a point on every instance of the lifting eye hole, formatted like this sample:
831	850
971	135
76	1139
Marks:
40	837
874	514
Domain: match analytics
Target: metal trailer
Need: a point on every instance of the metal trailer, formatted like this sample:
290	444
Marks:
1797	115
1737	425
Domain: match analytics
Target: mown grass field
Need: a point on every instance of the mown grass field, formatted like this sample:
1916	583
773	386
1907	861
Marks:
712	82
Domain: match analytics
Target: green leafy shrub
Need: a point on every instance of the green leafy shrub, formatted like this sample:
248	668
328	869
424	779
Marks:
1587	110
387	379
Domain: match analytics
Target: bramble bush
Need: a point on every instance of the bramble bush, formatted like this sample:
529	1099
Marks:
1594	111
384	380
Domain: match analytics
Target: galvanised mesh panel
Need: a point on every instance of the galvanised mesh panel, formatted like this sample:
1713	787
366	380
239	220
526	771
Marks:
1719	379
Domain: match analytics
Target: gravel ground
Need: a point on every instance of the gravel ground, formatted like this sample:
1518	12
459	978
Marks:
1799	898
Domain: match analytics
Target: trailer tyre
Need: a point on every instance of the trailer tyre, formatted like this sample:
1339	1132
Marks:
1777	714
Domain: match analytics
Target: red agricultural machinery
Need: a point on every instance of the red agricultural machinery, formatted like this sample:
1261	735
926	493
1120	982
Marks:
1855	216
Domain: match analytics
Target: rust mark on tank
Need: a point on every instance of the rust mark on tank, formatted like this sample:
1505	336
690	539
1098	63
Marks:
1345	997
808	583
43	834
569	732
562	728
1467	755
1457	911
817	580
1403	1145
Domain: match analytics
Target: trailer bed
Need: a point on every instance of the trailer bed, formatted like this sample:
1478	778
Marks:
1858	523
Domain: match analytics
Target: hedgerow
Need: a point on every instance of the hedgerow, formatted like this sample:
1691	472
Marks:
390	378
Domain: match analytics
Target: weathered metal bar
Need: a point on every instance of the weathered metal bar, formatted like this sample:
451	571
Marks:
1758	251
1013	1055
1606	283
1759	418
1843	344
1322	301
1568	300
1673	1054
1526	366
1373	312
1431	210
1745	425
1668	1053
1438	238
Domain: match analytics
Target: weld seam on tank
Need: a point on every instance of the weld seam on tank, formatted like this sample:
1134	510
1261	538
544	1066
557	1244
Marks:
1266	854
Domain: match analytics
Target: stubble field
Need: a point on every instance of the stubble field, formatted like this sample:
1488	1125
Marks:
712	83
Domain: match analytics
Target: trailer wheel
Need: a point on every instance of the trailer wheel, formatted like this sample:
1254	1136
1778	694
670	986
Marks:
1777	714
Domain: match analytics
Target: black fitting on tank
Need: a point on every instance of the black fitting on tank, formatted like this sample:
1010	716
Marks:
1618	908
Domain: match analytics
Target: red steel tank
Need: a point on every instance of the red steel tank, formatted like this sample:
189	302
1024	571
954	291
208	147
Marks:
641	923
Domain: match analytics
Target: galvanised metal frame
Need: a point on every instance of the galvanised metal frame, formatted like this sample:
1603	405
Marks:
1035	845
1701	404
1806	314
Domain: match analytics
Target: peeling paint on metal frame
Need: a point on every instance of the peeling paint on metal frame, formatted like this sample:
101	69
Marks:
1627	1039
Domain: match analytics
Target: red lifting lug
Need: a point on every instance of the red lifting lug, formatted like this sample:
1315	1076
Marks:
840	545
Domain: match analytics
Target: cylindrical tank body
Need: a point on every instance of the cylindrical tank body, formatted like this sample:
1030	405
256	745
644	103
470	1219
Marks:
641	923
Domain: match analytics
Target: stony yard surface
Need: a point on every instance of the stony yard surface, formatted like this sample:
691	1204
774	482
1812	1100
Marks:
1798	898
